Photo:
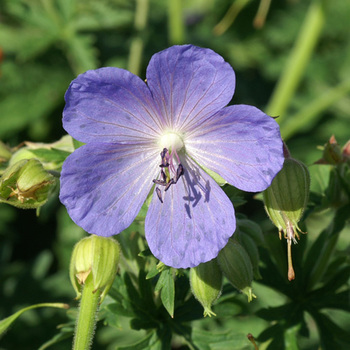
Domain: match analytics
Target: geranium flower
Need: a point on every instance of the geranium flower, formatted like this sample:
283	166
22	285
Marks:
157	137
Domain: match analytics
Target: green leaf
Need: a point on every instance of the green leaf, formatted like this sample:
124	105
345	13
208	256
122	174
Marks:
322	250
166	286
6	322
207	340
140	345
332	336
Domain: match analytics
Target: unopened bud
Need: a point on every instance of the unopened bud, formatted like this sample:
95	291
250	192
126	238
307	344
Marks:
236	266
332	153
286	198
5	153
98	256
285	201
206	284
26	184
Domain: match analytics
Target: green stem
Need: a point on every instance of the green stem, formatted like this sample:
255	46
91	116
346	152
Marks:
263	10
176	24
137	43
310	112
299	57
230	16
86	322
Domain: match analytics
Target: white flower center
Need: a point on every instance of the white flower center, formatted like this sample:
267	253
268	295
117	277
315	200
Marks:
171	141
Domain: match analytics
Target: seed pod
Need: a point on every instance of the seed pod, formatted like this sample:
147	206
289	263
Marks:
236	266
286	198
206	284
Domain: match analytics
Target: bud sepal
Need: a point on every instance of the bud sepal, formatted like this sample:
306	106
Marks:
206	284
26	184
97	257
236	266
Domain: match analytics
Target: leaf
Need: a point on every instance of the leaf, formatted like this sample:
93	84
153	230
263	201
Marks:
332	336
166	286
321	251
140	345
6	322
207	340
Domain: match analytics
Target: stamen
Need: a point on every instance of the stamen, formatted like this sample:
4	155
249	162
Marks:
167	166
159	194
169	184
163	176
165	157
160	182
179	172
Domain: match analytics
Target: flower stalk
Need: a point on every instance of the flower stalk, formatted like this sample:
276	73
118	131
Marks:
299	58
87	317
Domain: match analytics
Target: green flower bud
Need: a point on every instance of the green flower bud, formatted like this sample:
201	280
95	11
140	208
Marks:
5	153
285	201
206	284
26	184
98	256
236	266
286	198
332	153
252	250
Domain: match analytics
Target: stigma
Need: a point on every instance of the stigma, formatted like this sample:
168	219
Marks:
168	174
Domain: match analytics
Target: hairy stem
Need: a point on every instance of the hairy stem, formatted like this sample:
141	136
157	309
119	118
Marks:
85	326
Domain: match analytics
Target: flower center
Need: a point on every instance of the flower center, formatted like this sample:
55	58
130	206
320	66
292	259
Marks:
169	174
171	141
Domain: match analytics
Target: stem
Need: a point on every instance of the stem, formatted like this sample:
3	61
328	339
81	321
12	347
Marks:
299	57
85	326
230	16
176	23
260	17
252	340
137	43
312	111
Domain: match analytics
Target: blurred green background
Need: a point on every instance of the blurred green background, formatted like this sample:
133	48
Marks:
291	58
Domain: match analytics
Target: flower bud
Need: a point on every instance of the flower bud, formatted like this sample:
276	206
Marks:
332	153
285	201
26	184
286	198
206	284
236	266
98	256
5	153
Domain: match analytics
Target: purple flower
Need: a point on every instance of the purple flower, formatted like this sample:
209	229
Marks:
156	138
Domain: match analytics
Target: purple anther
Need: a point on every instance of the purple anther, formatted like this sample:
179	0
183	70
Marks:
159	194
160	182
164	155
179	172
169	184
162	175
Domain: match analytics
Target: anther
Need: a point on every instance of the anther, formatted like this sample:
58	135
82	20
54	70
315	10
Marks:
169	184
179	172
164	157
159	194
